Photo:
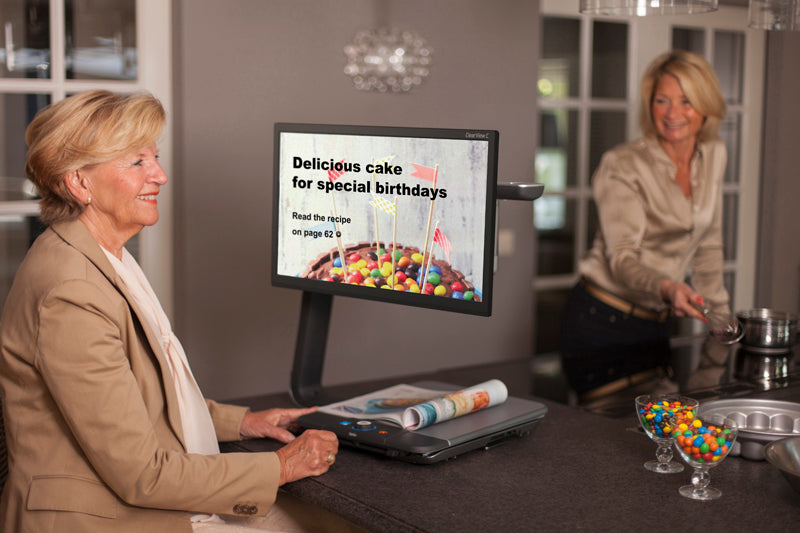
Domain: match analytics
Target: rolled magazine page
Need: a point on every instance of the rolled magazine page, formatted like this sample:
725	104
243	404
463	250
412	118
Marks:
457	404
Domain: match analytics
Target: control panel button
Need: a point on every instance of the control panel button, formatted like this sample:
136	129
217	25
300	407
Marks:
364	425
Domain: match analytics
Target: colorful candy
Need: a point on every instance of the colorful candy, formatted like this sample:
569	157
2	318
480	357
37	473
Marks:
433	278
701	442
393	270
655	416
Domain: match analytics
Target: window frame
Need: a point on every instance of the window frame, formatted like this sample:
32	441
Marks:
154	74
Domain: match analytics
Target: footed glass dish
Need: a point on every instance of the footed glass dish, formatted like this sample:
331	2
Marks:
654	412
703	442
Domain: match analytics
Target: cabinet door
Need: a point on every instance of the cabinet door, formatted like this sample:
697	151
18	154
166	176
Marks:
51	49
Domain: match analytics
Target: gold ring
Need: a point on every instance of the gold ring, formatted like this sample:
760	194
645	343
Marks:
331	458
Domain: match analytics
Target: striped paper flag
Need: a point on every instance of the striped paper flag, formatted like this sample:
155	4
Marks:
333	175
443	242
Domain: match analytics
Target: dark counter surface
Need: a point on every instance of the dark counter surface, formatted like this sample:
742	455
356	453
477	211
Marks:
577	470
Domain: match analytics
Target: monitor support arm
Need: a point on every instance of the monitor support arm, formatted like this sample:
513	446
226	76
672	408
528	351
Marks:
315	313
309	355
517	190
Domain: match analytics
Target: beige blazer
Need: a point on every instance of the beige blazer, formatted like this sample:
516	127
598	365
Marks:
650	231
92	423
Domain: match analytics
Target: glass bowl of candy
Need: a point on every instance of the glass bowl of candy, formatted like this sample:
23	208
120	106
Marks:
654	412
703	442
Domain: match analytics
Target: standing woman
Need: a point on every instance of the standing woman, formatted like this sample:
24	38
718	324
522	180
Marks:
105	425
659	201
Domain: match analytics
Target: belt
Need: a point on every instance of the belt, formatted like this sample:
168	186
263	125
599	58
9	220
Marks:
623	305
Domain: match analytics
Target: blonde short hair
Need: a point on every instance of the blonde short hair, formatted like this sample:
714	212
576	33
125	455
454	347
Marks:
699	83
85	129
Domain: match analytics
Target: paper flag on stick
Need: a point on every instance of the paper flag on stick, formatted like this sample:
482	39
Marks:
378	162
333	175
383	204
443	242
425	173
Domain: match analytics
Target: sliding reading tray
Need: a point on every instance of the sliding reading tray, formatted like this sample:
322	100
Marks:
483	429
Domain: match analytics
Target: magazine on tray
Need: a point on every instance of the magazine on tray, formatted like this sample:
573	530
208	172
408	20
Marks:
413	407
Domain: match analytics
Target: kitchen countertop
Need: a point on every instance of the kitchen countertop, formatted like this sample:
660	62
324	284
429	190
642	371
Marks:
577	470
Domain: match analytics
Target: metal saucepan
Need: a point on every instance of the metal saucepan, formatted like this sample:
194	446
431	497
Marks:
767	328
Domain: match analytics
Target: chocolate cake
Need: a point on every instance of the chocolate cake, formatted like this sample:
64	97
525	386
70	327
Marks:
371	265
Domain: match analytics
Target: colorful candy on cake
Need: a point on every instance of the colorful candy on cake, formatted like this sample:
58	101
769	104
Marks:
371	266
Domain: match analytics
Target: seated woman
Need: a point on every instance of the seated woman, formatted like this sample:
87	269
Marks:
106	427
659	203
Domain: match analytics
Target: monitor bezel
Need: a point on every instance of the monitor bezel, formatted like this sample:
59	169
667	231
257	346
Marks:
482	308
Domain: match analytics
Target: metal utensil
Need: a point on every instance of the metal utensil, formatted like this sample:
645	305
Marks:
760	422
723	327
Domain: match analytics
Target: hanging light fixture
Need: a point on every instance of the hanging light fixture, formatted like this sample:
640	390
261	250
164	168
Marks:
643	8
387	60
774	15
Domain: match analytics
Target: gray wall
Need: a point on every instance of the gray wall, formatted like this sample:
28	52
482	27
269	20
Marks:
779	246
242	65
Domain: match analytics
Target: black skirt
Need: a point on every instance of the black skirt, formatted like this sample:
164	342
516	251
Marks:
600	344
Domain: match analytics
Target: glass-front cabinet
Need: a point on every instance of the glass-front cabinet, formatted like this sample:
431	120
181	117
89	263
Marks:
588	94
49	50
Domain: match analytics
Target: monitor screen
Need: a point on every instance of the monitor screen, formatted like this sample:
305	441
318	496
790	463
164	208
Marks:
402	215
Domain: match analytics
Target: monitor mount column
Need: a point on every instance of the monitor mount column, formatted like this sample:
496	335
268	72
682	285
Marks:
309	355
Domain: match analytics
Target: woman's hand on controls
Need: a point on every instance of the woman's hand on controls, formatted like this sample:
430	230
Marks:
683	300
272	423
310	454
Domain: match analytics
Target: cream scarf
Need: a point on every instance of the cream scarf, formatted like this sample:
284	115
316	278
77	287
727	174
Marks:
198	429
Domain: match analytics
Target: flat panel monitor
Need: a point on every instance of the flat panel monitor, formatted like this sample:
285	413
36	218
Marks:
392	214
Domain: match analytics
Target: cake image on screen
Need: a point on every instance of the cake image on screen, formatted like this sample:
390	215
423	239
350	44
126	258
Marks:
373	266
